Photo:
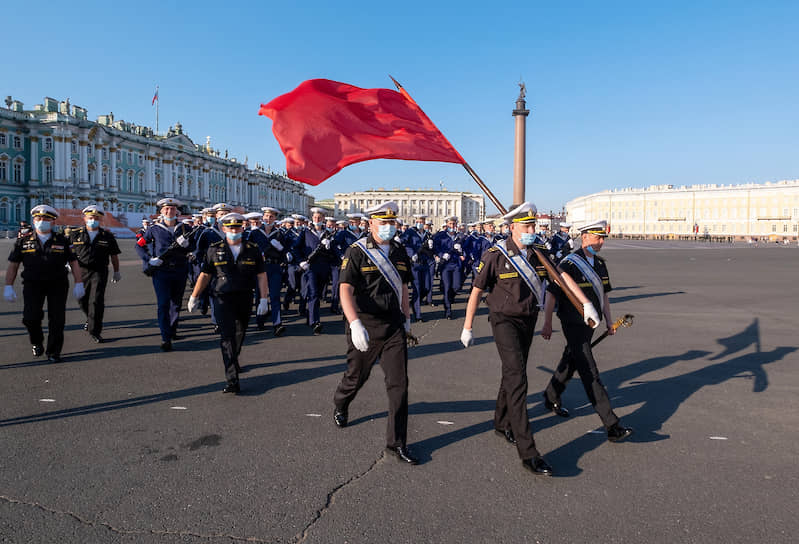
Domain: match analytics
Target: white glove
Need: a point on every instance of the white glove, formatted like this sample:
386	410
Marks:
263	307
445	256
155	261
193	304
69	268
589	312
548	246
277	245
408	325
9	294
360	337
415	258
289	257
304	265
430	243
117	277
182	241
467	338
457	247
571	243
326	243
397	239
78	290
559	254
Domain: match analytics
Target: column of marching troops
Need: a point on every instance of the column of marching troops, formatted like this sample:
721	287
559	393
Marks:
380	273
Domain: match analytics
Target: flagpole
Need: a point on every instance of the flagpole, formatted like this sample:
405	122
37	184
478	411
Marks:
157	103
552	271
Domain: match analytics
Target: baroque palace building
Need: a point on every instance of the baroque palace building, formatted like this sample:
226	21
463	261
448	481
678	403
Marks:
741	211
436	205
54	155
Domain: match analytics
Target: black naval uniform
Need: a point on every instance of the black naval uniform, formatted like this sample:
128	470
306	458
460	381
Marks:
577	354
44	277
513	310
381	314
93	257
232	292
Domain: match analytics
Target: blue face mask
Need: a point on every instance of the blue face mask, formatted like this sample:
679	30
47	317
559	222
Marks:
419	226
210	221
450	229
92	223
386	232
528	238
353	228
42	226
169	219
590	250
233	236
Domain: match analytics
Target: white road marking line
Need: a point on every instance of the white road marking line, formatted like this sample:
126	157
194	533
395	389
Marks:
178	408
46	400
314	415
718	437
595	432
445	422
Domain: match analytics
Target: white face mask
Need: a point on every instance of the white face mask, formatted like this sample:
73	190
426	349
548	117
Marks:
42	225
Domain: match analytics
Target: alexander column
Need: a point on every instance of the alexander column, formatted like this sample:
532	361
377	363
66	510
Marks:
520	147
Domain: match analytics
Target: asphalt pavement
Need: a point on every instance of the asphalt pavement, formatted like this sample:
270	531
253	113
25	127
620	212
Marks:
123	443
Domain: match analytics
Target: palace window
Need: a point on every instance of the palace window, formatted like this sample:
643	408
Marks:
74	173
3	211
17	143
130	181
119	156
89	150
141	181
17	172
48	172
74	145
105	177
48	145
785	227
3	140
130	157
119	178
105	153
91	177
3	170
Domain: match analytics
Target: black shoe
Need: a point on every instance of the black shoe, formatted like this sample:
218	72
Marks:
448	316
507	435
537	466
617	433
54	357
317	329
216	329
335	311
37	350
403	454
204	310
340	418
280	329
555	408
96	338
232	388
86	326
176	337
166	346
261	326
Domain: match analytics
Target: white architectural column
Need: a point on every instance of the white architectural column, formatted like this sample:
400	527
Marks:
112	182
34	159
149	173
83	165
166	177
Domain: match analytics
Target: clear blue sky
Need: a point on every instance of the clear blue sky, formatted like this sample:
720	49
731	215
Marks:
622	93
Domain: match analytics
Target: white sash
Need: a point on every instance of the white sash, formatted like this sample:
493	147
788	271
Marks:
590	274
384	266
525	270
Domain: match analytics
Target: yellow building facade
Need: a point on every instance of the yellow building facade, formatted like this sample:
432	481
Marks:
742	211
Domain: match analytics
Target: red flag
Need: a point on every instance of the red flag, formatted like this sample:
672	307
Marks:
155	96
323	126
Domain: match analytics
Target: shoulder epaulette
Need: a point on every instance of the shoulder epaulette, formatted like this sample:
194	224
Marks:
493	248
218	242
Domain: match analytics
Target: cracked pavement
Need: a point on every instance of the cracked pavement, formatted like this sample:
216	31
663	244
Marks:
122	443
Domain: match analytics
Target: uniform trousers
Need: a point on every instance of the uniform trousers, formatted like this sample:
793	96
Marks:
450	283
577	356
233	312
274	277
421	287
93	302
316	277
34	294
335	270
169	285
388	345
513	337
431	276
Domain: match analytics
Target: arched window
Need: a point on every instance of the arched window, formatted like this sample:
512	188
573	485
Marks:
130	182
48	171
141	182
4	211
18	214
3	168
105	176
119	177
